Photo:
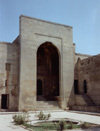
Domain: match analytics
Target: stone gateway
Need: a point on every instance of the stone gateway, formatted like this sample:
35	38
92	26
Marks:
40	70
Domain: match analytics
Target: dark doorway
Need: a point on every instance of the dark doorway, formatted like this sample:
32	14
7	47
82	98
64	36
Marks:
76	90
85	86
39	87
4	101
48	71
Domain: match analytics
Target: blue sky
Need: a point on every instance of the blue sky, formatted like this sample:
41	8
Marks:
82	15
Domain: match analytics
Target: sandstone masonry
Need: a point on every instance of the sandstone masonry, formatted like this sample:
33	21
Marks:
41	68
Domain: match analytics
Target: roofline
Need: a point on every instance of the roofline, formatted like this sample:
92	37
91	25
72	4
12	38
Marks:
17	38
2	42
45	21
82	54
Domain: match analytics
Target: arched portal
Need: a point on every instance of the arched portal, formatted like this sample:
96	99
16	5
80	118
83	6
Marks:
47	72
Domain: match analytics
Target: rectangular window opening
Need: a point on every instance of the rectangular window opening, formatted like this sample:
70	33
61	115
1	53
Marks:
76	90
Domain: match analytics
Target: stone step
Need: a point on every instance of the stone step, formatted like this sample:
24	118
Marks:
46	108
47	105
48	102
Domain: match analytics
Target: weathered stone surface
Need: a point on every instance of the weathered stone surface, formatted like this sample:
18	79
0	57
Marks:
9	53
56	65
89	70
33	33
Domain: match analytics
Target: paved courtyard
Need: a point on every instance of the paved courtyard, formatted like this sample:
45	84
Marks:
7	125
6	122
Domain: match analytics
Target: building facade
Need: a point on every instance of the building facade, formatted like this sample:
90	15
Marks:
40	70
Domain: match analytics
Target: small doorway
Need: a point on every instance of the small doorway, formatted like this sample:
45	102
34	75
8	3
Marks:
85	86
4	101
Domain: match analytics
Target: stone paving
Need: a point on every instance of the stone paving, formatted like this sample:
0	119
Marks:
6	123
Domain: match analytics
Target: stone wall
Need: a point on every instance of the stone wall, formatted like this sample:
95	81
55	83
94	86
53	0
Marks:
88	70
9	55
33	33
19	67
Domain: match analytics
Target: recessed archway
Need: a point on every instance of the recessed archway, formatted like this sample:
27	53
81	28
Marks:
47	72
